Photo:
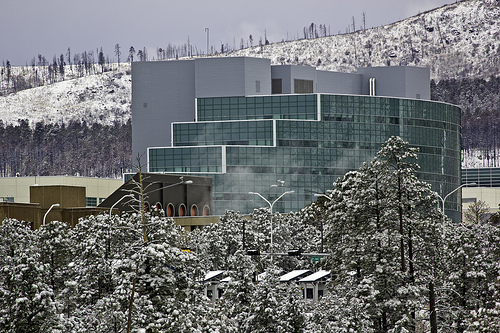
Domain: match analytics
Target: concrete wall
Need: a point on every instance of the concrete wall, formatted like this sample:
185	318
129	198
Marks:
338	83
490	195
288	73
21	211
199	193
19	187
324	81
162	92
407	82
257	69
225	77
66	196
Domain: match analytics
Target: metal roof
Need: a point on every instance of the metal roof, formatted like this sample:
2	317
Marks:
226	279
294	275
315	276
212	274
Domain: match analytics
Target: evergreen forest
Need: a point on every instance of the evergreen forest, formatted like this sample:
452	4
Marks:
50	149
396	265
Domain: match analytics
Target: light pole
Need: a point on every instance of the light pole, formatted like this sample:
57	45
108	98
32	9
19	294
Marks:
271	209
164	187
321	221
48	210
322	195
444	199
207	30
125	196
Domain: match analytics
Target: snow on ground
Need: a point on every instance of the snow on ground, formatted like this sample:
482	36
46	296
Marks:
480	159
103	98
455	41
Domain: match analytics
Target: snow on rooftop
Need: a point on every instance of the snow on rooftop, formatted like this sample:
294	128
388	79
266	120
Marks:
315	277
212	274
226	279
293	275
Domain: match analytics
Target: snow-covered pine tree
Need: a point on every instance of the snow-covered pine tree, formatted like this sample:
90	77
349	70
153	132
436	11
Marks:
54	246
27	302
470	284
380	219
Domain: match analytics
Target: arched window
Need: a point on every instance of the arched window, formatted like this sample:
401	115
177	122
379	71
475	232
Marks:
181	210
170	210
194	210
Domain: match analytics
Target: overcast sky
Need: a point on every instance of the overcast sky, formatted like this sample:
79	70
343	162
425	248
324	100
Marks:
49	27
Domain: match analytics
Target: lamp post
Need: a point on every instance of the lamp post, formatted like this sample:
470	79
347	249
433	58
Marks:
321	221
243	240
446	197
322	195
207	30
48	210
271	209
167	186
113	206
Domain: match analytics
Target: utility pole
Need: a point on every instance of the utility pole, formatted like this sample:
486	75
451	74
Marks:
208	35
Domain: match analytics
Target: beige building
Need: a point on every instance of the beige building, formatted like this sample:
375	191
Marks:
50	203
490	195
17	189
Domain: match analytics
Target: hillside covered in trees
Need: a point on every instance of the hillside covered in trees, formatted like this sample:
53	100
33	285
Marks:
480	103
76	148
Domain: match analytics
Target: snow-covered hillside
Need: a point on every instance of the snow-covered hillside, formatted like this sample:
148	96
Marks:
455	41
102	98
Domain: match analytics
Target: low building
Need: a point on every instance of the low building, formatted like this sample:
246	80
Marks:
314	285
212	281
187	199
486	188
489	195
17	189
295	275
50	203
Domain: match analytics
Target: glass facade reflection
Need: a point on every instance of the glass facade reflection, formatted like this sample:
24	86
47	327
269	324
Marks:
308	140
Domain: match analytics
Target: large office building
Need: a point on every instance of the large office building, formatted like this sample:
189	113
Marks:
248	124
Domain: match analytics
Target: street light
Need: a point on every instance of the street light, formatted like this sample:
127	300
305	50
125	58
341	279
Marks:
164	187
207	30
322	195
321	222
48	210
443	200
113	206
271	209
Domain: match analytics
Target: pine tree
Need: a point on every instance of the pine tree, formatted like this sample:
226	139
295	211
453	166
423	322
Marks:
27	302
380	233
